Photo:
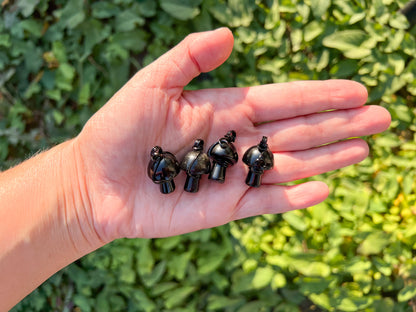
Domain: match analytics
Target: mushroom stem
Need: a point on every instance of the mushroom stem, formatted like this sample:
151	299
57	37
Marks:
217	173
192	184
167	187
253	178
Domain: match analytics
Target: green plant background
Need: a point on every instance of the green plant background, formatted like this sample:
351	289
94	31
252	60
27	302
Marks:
61	60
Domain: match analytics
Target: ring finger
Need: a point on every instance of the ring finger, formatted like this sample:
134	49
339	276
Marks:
291	166
313	130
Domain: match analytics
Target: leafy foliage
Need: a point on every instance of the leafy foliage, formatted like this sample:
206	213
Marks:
62	60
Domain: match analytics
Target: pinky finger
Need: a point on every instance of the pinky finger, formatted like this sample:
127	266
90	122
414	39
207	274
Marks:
272	199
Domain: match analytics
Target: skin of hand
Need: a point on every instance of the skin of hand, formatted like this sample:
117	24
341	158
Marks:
86	192
153	109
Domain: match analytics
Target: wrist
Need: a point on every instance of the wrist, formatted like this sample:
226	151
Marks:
75	204
46	221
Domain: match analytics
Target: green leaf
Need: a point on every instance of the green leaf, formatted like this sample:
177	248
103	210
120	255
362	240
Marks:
5	40
312	268
58	116
397	62
155	276
181	9
407	293
168	243
374	243
241	282
382	266
55	94
32	90
272	16
177	296
64	77
279	260
59	51
216	302
84	94
357	265
143	301
323	60
357	17
262	277
293	296
135	40
102	303
348	41
357	53
83	303
145	260
278	281
27	6
210	261
94	32
33	27
177	264
128	20
398	21
354	303
312	30
311	285
147	8
295	220
73	13
237	13
259	305
322	300
104	9
320	7
408	44
344	69
161	288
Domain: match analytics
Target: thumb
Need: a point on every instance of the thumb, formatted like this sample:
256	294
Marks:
197	53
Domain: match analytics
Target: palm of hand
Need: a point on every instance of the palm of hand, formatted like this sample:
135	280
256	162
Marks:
152	109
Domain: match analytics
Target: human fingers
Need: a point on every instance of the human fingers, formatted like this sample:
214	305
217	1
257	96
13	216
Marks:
290	166
308	131
291	99
278	199
280	101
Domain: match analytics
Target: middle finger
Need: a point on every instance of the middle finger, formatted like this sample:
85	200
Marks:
309	131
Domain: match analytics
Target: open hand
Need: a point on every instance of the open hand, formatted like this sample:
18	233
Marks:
299	119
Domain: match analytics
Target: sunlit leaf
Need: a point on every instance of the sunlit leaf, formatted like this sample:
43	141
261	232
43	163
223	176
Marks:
374	243
346	40
407	293
320	7
182	10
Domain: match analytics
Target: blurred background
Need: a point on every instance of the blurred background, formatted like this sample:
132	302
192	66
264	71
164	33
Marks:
62	60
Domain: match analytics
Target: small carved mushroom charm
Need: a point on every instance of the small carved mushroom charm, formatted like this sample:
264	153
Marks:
259	158
223	154
195	163
162	168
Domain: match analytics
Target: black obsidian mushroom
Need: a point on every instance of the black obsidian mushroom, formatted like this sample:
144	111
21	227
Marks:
163	167
259	158
195	164
223	154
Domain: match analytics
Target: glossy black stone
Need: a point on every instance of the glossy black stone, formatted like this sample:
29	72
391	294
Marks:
223	154
195	164
259	158
162	168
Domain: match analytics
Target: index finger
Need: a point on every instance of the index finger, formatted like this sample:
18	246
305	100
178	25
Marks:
291	99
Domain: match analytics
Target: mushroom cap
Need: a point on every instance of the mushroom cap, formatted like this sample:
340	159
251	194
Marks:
223	152
258	159
196	163
163	167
